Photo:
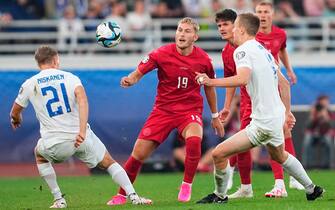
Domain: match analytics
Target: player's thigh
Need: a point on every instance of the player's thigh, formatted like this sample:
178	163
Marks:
237	143
192	129
92	151
190	125
143	148
55	153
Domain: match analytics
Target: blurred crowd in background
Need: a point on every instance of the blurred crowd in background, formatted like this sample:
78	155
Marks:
139	18
137	13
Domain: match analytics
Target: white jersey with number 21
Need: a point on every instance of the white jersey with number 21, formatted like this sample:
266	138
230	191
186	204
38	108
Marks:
51	92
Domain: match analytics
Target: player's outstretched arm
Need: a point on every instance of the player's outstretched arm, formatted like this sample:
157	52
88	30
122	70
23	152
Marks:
242	78
16	116
283	55
131	79
83	114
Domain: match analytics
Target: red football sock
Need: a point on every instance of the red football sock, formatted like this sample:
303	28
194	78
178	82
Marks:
244	163
233	160
193	154
289	147
277	170
132	167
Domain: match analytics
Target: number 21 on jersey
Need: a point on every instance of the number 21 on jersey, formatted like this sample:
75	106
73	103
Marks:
55	98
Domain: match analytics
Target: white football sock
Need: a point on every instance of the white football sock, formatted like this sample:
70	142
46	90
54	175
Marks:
221	177
280	183
120	176
295	169
47	172
246	187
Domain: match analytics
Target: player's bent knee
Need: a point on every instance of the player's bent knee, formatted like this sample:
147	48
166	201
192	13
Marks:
106	161
218	154
279	158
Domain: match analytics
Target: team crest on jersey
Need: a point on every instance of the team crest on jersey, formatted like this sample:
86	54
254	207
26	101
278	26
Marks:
145	59
240	55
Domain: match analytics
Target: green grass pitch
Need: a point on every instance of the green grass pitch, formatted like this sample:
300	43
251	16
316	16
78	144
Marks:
93	193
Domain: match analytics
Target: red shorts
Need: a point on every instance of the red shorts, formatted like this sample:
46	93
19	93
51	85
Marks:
160	123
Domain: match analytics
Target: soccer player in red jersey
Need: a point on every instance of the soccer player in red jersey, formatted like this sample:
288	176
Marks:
225	22
273	38
178	104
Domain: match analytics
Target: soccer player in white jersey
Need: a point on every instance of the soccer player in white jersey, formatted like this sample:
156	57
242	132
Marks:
61	106
256	68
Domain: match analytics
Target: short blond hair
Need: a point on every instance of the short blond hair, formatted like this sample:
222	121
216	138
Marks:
265	3
192	22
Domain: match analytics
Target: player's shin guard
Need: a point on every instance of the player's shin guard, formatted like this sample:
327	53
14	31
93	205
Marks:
132	167
244	163
277	170
295	169
120	177
193	154
221	177
233	160
47	172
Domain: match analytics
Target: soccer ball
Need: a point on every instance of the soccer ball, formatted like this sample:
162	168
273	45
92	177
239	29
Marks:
108	34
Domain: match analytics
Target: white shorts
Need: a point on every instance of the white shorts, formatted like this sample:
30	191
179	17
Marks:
91	151
266	132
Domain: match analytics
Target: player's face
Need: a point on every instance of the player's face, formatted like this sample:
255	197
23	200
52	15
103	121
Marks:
265	15
237	32
225	29
185	35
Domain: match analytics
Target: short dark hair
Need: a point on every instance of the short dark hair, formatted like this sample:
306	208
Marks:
226	15
45	55
250	22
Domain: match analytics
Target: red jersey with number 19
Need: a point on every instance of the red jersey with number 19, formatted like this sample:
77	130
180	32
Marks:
229	71
177	89
274	41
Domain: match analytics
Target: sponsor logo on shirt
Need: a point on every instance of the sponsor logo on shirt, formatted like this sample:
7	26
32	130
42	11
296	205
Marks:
240	55
145	59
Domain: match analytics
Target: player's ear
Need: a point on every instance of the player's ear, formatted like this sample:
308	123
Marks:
196	37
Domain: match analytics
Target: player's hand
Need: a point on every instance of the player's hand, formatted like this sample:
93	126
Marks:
126	82
218	127
223	114
292	77
202	79
79	140
15	123
290	121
